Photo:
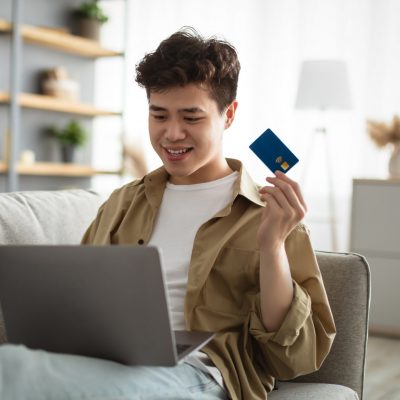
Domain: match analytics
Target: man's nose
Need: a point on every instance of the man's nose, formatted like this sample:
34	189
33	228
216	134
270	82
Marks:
175	131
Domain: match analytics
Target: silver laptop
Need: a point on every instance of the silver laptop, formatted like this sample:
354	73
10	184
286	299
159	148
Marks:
100	301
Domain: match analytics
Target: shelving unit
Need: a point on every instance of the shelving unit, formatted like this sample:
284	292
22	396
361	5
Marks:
58	39
48	103
57	169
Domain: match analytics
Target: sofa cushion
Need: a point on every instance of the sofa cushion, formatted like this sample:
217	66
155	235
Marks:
312	391
46	217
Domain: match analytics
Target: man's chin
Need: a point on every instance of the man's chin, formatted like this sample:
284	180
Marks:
175	174
178	177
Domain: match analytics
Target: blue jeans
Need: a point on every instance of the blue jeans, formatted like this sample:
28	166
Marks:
39	375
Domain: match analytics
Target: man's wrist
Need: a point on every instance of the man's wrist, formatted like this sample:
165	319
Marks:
274	251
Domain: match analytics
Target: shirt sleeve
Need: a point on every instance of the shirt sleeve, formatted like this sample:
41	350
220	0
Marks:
306	334
91	231
108	216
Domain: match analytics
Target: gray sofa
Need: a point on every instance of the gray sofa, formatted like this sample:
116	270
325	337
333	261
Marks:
61	217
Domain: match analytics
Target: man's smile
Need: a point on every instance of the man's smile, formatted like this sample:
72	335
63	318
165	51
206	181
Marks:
178	150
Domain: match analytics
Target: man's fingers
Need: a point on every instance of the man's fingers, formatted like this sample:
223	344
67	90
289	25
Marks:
281	180
278	196
271	201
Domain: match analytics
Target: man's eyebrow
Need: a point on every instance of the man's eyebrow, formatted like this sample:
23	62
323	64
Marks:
156	108
192	110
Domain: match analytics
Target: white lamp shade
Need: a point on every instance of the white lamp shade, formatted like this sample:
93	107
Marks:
323	84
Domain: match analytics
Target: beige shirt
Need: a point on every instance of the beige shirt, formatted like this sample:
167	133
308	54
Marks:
223	285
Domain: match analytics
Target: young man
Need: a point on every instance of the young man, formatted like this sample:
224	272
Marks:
238	261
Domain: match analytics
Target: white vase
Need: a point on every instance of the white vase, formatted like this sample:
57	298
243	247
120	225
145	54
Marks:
394	162
66	89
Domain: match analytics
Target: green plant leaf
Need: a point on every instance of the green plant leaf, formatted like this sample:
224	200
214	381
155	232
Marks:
73	133
92	10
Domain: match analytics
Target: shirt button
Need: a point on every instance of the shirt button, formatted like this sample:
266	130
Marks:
140	241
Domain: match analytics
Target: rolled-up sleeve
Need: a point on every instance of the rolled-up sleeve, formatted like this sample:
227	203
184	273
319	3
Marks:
306	334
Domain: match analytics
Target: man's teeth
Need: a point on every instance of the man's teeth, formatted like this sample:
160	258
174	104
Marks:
178	151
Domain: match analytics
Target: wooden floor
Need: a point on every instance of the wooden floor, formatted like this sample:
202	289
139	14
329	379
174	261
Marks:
382	376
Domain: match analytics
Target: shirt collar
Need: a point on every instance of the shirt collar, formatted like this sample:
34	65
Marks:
156	181
154	186
245	185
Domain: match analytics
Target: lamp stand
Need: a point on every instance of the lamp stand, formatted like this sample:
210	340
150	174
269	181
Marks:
331	194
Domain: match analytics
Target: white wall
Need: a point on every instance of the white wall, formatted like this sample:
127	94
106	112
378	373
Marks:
272	38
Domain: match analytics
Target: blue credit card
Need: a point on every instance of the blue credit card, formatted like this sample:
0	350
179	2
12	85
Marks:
273	152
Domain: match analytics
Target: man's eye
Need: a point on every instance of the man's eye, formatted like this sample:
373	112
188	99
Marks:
159	117
192	119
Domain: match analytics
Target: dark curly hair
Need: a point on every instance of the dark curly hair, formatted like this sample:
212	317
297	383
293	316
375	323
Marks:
186	57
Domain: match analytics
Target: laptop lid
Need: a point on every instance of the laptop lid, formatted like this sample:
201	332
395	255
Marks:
100	301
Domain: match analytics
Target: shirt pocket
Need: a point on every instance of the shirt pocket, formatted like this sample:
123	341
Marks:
233	281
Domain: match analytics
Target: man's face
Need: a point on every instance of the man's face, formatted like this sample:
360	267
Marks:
186	130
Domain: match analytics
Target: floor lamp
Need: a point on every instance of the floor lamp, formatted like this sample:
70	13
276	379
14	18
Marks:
324	85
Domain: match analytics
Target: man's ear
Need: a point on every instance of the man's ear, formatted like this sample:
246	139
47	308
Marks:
230	114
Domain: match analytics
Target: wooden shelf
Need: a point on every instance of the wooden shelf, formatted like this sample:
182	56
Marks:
57	169
60	40
49	103
5	26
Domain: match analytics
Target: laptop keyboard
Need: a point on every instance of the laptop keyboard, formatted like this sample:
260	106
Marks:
180	348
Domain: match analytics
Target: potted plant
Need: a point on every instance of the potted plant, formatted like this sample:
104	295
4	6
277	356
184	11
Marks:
90	18
70	137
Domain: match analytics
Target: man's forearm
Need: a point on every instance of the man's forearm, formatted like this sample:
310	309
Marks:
276	287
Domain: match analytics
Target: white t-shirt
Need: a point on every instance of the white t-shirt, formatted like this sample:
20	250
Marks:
184	208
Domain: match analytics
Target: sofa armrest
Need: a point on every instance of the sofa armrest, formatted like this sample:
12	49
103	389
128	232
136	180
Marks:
347	281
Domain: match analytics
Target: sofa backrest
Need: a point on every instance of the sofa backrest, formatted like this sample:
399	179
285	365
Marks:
46	217
347	281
